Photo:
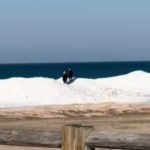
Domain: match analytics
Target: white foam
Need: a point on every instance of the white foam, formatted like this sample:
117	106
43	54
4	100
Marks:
21	92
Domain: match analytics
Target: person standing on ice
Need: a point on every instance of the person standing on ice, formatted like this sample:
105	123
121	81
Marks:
70	74
65	76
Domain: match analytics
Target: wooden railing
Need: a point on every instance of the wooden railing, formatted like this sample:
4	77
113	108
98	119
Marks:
76	137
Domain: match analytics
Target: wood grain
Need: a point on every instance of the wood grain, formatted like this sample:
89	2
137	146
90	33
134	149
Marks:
31	138
118	140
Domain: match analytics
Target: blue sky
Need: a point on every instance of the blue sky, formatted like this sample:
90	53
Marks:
74	30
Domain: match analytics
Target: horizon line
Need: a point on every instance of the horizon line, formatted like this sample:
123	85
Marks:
67	62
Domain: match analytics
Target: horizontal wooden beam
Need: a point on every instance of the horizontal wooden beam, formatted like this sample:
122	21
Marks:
31	138
134	141
97	139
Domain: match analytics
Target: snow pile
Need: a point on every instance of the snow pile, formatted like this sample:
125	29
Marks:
21	92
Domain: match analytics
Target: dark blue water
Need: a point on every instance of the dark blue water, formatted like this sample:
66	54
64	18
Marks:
84	70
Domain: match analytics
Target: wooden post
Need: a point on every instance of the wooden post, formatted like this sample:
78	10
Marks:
73	137
85	131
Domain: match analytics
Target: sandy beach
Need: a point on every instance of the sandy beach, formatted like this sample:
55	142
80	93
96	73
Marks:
109	117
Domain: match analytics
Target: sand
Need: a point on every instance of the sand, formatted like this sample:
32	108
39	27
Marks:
67	111
110	117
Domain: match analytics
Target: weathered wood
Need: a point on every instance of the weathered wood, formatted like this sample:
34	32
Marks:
85	131
31	138
76	137
134	141
69	137
73	137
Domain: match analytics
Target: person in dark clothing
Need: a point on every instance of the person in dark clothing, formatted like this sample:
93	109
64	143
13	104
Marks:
70	74
65	76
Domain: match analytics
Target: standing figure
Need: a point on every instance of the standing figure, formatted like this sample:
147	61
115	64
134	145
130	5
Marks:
65	76
70	74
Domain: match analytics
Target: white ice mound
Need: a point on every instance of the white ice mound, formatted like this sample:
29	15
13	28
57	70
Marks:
21	92
138	81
